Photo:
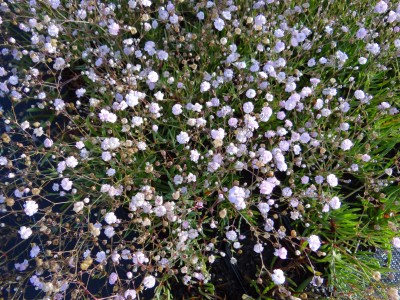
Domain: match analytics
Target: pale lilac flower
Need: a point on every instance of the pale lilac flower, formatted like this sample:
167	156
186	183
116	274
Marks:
177	109
366	157
219	24
396	242
314	242
113	28
22	266
248	107
101	256
231	235
263	208
59	104
281	253
112	279
34	251
258	248
107	116
66	184
48	143
381	7
346	145
279	47
200	15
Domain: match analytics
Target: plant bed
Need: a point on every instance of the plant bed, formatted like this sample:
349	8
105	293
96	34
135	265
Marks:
199	149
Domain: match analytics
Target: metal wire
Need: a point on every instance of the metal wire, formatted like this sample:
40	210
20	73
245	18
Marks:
393	277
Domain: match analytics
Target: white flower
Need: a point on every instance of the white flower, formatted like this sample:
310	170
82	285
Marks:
177	109
362	60
204	86
80	92
266	187
263	208
194	155
34	251
53	30
101	256
3	161
160	211
59	104
139	258
258	248
30	208
335	203
182	138
153	77
218	134
13	80
149	282
25	232
131	293
109	231
110	218
250	93
314	242
236	196
78	206
219	24
346	144
332	180
278	277
106	156
107	116
71	162
248	107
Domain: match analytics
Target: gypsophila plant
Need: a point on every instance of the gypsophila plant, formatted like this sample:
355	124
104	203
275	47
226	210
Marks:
198	149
